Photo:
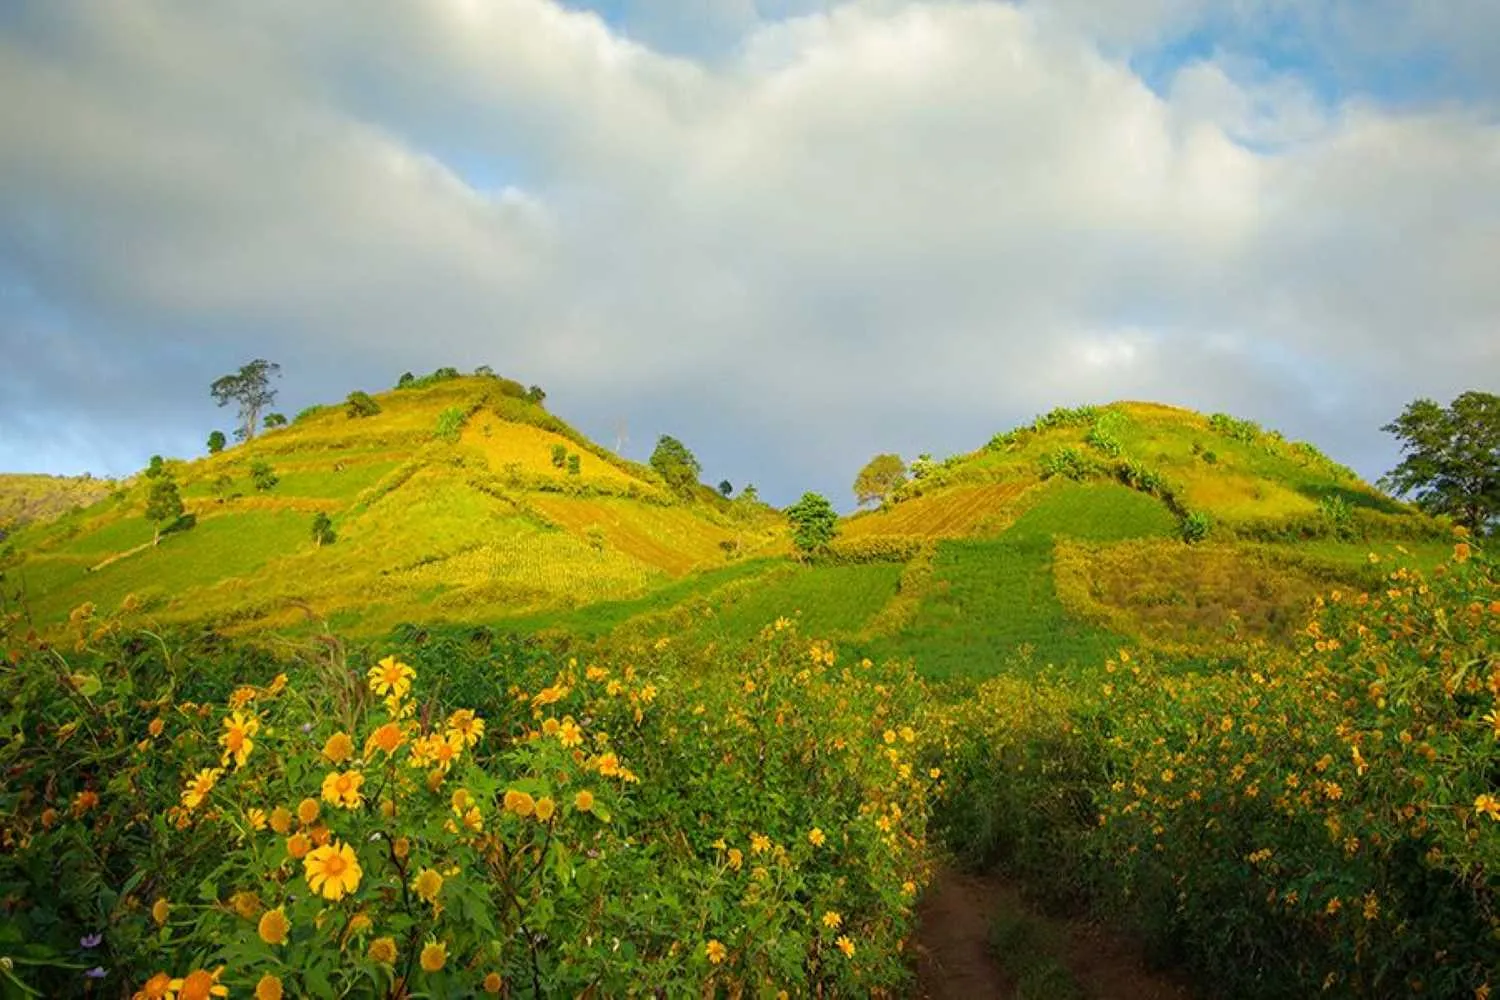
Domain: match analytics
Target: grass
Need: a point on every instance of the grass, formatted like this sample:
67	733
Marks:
1030	950
991	602
217	550
951	513
596	620
826	601
1093	512
1185	598
26	499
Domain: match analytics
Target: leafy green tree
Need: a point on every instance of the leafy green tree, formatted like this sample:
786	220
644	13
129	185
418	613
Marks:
163	504
676	464
263	476
725	488
360	404
216	442
156	468
484	371
274	420
251	388
878	478
749	494
536	395
322	530
575	464
1452	458
559	455
814	523
406	379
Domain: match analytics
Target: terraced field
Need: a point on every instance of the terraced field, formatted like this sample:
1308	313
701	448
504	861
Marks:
954	513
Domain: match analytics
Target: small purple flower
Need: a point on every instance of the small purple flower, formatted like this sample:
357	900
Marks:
97	972
90	940
307	727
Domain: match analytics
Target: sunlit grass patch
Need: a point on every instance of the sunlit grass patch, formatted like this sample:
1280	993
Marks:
955	512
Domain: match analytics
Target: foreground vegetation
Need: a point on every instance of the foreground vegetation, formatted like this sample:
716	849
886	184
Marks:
453	813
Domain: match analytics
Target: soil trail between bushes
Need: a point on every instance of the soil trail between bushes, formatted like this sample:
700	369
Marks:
955	960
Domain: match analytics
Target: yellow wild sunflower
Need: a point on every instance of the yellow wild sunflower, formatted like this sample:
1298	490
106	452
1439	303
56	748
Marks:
332	871
236	738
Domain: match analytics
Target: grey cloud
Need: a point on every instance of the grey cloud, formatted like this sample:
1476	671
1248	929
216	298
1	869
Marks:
880	225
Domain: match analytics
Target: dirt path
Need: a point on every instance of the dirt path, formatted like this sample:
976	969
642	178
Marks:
955	959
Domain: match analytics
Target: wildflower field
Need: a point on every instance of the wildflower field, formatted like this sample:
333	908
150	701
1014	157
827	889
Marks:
456	813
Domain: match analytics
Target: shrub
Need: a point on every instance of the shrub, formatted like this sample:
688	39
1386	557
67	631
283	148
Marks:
575	464
559	456
1340	516
1196	526
216	442
310	411
1067	462
360	404
262	476
273	421
450	423
322	530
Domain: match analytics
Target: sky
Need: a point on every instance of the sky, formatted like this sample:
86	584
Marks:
791	233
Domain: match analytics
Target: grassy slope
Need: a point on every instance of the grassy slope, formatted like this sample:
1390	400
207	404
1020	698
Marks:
25	499
993	600
475	529
1066	573
488	530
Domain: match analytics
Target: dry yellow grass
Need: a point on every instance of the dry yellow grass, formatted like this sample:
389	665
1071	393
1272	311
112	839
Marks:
504	443
1175	597
673	539
952	513
1233	496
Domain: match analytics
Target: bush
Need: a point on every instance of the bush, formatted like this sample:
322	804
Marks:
310	411
360	404
559	456
262	476
575	464
216	442
450	423
322	530
1196	527
273	421
1067	462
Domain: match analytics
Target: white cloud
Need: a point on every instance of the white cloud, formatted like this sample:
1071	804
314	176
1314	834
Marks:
879	225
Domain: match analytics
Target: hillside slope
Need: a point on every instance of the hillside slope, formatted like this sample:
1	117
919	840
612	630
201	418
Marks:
25	499
1061	541
460	500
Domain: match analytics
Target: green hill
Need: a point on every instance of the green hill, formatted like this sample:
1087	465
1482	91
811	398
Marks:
25	499
460	502
1061	541
448	505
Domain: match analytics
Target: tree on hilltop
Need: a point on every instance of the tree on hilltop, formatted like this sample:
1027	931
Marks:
251	388
1452	458
676	464
814	523
880	476
216	442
